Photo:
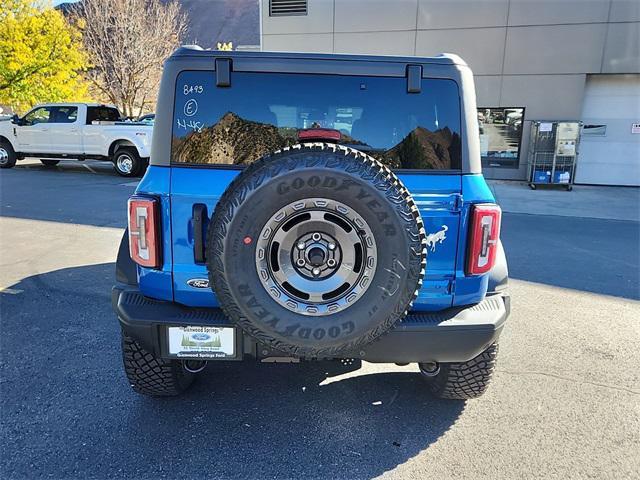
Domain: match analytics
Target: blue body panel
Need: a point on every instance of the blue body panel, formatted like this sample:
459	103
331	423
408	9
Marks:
437	198
444	201
470	290
191	186
156	283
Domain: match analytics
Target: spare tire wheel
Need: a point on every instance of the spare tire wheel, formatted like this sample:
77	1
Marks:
316	250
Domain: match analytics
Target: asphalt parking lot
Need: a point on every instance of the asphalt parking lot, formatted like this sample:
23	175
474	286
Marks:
565	402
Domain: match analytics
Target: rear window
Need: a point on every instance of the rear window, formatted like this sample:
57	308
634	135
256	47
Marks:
263	112
102	114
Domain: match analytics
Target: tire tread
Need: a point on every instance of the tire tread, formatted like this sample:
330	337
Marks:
465	380
150	375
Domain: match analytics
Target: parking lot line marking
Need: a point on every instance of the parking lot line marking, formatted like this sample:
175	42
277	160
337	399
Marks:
11	291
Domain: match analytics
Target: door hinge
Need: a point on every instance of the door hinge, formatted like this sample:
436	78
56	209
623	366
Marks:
456	202
452	287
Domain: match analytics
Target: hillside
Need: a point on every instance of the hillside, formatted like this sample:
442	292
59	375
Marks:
212	21
425	149
231	140
236	140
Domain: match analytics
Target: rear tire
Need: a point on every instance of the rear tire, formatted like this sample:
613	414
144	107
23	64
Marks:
7	155
466	380
150	375
127	162
50	163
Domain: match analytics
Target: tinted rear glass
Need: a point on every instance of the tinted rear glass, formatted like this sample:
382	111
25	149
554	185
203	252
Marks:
263	112
102	114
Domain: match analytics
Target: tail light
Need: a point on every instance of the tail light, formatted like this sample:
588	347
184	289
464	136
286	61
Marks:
144	231
484	235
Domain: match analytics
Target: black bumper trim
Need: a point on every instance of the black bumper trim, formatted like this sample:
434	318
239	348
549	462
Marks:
453	335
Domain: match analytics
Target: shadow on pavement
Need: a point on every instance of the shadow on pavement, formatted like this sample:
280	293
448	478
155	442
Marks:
588	254
67	411
87	167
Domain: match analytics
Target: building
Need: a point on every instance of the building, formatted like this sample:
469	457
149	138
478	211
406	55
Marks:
532	60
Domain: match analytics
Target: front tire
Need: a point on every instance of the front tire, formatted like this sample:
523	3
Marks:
7	155
151	375
465	380
127	162
50	163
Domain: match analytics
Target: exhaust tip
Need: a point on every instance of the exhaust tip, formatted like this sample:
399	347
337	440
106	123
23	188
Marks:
194	366
429	369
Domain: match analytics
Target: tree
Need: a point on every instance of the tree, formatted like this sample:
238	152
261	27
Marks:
127	42
41	56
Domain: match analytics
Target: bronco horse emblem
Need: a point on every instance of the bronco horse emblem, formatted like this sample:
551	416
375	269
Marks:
438	237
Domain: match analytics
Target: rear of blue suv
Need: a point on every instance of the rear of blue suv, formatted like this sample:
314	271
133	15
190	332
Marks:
305	207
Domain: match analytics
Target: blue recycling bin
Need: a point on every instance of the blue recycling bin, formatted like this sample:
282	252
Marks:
541	176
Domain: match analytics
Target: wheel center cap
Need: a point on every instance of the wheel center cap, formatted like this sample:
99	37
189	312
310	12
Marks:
316	256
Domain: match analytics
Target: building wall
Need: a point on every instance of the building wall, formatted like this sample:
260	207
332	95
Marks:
612	158
524	53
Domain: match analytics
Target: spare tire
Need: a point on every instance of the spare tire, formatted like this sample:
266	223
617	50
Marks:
316	250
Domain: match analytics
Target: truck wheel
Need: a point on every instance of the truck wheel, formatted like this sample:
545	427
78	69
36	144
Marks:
7	155
127	162
461	381
150	375
316	250
50	163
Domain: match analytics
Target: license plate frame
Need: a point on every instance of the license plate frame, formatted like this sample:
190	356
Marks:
201	342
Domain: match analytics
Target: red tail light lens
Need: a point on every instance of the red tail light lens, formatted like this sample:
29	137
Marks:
144	231
484	235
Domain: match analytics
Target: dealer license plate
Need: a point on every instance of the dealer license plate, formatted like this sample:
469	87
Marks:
201	342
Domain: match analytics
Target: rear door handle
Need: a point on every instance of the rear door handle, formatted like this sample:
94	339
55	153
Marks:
199	218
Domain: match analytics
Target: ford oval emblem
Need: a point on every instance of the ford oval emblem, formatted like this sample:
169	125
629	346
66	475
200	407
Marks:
201	337
198	283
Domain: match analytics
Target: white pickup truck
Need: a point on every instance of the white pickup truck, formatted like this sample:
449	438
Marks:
80	131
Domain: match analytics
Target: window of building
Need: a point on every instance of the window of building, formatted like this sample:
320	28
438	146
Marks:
594	130
500	136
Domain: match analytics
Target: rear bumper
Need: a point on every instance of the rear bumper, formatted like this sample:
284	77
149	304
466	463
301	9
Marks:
452	335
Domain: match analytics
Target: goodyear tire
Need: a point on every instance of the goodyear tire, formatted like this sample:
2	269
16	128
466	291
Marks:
316	250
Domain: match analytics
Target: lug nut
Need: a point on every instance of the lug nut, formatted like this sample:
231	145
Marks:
331	262
300	262
332	246
301	246
316	236
316	271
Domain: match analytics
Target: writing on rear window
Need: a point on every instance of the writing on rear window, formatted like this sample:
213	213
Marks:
189	89
264	112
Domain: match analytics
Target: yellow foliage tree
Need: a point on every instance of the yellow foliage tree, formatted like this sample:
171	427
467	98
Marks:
225	47
41	56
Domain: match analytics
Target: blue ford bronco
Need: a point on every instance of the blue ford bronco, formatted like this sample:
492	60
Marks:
302	207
